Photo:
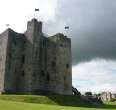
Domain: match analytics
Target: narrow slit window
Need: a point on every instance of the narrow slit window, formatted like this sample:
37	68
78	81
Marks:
14	41
67	65
23	59
42	73
53	64
23	74
48	77
61	45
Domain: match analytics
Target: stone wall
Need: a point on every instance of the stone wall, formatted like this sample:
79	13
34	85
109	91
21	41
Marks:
59	64
14	64
3	49
33	63
32	55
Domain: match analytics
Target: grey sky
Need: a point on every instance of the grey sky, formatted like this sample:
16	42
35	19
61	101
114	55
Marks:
92	27
93	32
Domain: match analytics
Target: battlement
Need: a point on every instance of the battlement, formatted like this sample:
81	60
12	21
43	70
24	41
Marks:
59	37
34	25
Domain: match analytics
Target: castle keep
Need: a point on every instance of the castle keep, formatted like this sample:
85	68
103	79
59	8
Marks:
33	63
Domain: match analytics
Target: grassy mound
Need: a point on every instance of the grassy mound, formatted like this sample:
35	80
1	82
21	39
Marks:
50	99
11	105
50	102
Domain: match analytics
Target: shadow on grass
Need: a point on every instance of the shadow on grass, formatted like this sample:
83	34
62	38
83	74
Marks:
108	106
77	101
62	100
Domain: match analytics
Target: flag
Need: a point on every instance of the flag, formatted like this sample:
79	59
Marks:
7	25
36	9
66	27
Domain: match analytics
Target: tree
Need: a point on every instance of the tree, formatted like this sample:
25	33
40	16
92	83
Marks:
88	93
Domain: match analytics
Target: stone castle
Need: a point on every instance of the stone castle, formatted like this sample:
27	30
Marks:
33	63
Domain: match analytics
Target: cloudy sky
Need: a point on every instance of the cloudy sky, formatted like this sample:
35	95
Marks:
92	30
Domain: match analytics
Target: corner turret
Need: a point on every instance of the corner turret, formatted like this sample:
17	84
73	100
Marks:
34	25
34	30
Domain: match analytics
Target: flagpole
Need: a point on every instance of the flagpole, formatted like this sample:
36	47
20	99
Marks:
36	14
66	30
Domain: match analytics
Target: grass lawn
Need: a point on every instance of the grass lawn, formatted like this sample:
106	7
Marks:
10	105
17	102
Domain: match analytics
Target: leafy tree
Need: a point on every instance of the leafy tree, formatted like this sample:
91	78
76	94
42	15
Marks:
88	93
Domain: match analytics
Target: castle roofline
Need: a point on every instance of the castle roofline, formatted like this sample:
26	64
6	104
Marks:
9	30
34	20
6	31
59	36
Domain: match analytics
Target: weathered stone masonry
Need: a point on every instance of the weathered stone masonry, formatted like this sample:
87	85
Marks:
33	63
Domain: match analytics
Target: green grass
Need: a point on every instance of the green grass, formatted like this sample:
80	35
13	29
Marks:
53	102
49	99
10	105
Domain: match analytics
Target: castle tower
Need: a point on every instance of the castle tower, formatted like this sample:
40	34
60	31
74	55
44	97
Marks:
64	63
3	53
12	50
32	55
59	64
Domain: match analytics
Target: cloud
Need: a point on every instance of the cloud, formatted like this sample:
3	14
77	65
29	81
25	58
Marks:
18	12
92	27
96	76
